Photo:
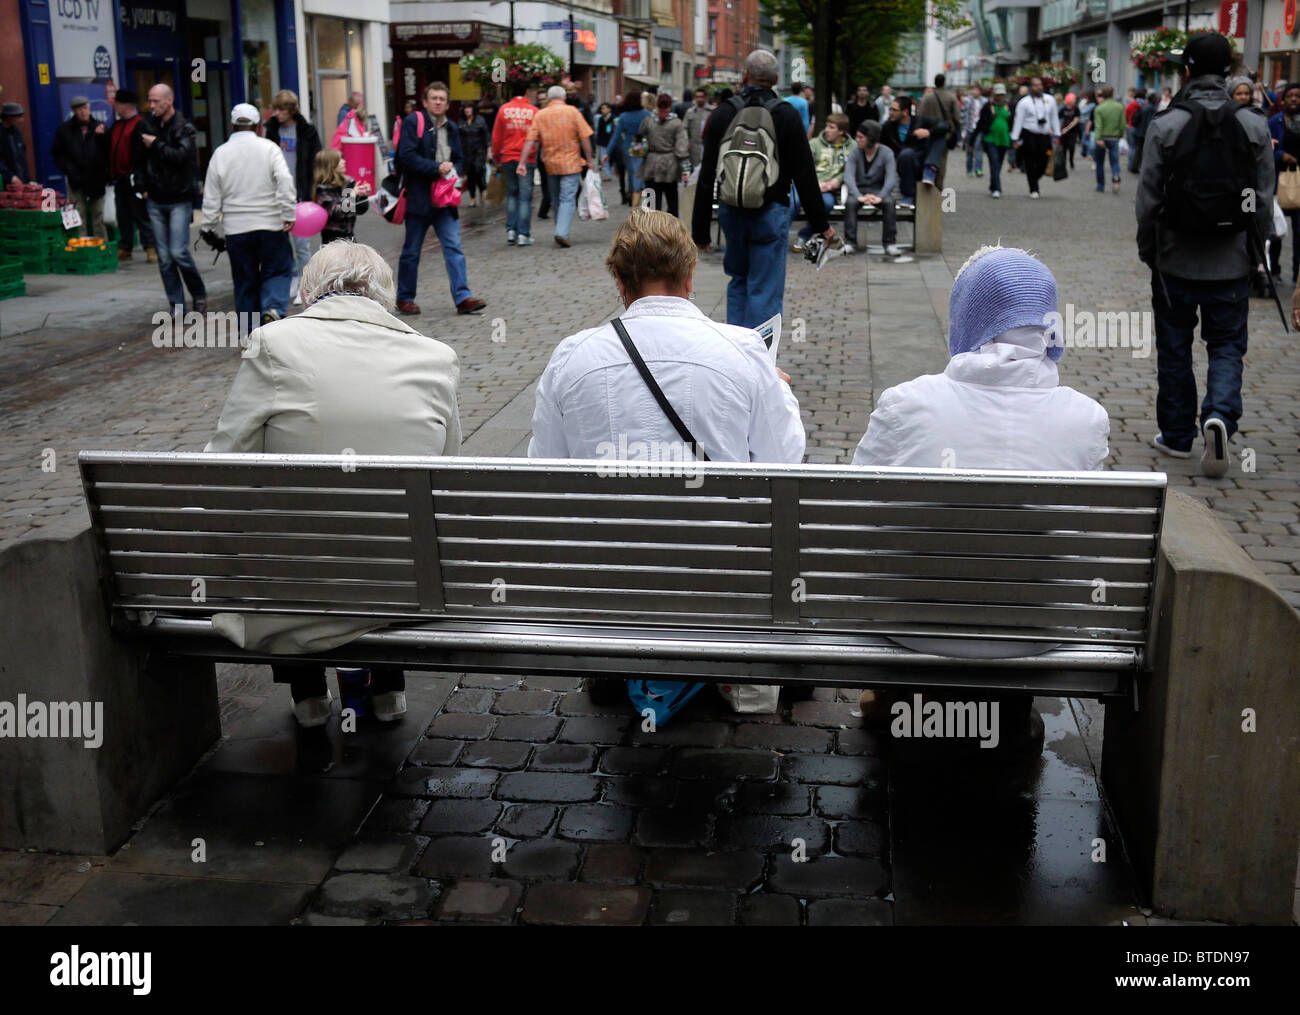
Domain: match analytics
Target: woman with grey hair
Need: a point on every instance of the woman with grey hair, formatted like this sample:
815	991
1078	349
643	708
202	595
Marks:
344	374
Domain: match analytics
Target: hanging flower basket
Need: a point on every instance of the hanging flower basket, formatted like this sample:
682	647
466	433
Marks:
1152	53
529	62
1054	74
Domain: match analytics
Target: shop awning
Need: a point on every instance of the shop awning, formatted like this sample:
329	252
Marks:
644	79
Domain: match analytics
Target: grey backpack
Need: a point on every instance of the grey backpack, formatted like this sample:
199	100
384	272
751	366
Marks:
747	160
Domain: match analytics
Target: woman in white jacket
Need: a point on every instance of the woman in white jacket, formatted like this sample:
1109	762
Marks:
999	404
343	374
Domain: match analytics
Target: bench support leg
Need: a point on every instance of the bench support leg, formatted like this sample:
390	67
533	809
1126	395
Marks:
55	792
1209	809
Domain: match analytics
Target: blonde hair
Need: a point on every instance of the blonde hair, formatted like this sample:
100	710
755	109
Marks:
651	246
286	100
345	267
329	169
649	100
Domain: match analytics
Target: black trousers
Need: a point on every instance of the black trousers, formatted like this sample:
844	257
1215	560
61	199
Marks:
307	680
665	196
1033	155
132	215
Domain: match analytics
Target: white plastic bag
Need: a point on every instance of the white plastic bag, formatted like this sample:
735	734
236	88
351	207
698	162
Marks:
110	207
1279	219
752	699
1123	146
593	197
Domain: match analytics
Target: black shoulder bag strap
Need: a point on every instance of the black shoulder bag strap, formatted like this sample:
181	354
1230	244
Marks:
657	391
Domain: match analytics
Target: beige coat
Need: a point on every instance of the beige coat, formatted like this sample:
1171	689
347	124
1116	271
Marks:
343	374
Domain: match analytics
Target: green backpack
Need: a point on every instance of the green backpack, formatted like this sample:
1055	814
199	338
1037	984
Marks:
748	163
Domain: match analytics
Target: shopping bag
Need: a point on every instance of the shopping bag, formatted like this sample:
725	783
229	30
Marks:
110	208
496	189
445	193
1279	220
1059	172
584	209
1288	189
664	698
593	197
752	699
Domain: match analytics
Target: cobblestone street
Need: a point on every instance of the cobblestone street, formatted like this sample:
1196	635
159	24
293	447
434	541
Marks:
520	800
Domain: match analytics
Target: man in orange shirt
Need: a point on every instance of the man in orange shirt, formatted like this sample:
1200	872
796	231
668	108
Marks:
566	151
509	135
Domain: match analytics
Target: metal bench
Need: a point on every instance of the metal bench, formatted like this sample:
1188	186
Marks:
905	210
798	574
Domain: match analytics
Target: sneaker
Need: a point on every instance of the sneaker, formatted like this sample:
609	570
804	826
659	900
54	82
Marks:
1033	195
930	175
1214	462
270	316
995	193
524	241
1158	442
892	249
979	173
1114	184
1101	190
312	712
562	241
510	236
389	707
849	248
297	298
797	246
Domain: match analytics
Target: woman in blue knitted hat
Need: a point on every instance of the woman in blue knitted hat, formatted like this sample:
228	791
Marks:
999	404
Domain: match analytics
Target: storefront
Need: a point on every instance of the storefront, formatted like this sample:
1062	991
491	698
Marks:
1280	42
432	51
213	53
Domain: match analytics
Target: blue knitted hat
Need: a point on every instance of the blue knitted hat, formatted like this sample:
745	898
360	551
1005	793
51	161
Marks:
997	289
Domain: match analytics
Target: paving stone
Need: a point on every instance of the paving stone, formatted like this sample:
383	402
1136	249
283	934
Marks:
455	856
494	901
862	838
386	855
546	682
445	782
526	821
580	703
536	859
525	702
830	715
770	911
690	868
581	904
685	734
828	875
671	828
724	764
533	728
851	802
769	831
549	787
856	742
382	896
774	798
597	822
641	791
834	770
503	754
493	681
693	909
446	817
471	700
617	863
850	913
462	727
564	758
595	730
783	738
396	814
634	760
438	753
314	919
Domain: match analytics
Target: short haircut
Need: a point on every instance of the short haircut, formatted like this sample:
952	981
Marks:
796	88
651	246
345	267
167	90
762	67
286	100
518	89
1141	93
556	92
939	80
1107	92
701	91
839	120
437	86
1293	86
870	129
904	102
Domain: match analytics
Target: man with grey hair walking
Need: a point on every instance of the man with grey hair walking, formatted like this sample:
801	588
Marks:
757	226
565	137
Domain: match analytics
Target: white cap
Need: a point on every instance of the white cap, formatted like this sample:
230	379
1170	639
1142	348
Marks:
244	115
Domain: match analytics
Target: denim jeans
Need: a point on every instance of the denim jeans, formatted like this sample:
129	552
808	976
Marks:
564	194
974	152
519	198
1130	135
447	226
171	233
261	263
301	253
754	260
1224	307
827	199
1106	146
996	154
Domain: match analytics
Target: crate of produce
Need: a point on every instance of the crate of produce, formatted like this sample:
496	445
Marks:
11	289
19	219
85	257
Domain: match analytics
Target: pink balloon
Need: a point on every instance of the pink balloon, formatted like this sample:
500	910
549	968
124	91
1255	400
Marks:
309	219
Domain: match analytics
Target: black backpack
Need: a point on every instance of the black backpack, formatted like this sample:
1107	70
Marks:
1210	173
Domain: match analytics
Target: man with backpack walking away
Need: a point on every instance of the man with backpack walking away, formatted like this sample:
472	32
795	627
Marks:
1204	203
755	147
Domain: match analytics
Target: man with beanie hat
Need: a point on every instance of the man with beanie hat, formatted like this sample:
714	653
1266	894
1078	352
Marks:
124	147
13	149
870	177
999	404
1203	155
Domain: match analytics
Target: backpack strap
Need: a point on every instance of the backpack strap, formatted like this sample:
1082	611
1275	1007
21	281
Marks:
657	391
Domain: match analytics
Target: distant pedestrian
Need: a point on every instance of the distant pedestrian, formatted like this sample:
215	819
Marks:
166	168
604	127
250	195
668	158
697	115
1070	127
300	144
474	140
80	152
123	148
919	144
830	152
870	178
970	119
1284	128
860	110
565	138
1108	129
994	127
1201	241
1037	125
430	151
629	136
1141	121
883	102
353	105
796	99
13	149
509	134
341	196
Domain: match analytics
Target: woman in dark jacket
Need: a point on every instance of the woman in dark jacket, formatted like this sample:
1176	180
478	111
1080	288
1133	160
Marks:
474	142
628	132
604	131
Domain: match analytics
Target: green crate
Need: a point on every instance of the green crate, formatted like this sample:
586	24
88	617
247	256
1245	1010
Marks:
112	233
10	265
85	260
11	289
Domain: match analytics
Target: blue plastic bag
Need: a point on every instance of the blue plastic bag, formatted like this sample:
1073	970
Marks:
664	698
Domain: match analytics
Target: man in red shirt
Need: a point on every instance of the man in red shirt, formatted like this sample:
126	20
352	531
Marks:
1136	99
509	132
123	139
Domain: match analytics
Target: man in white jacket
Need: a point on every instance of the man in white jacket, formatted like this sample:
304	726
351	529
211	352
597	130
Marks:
249	193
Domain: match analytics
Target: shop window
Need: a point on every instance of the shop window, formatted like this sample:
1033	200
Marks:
336	53
261	63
